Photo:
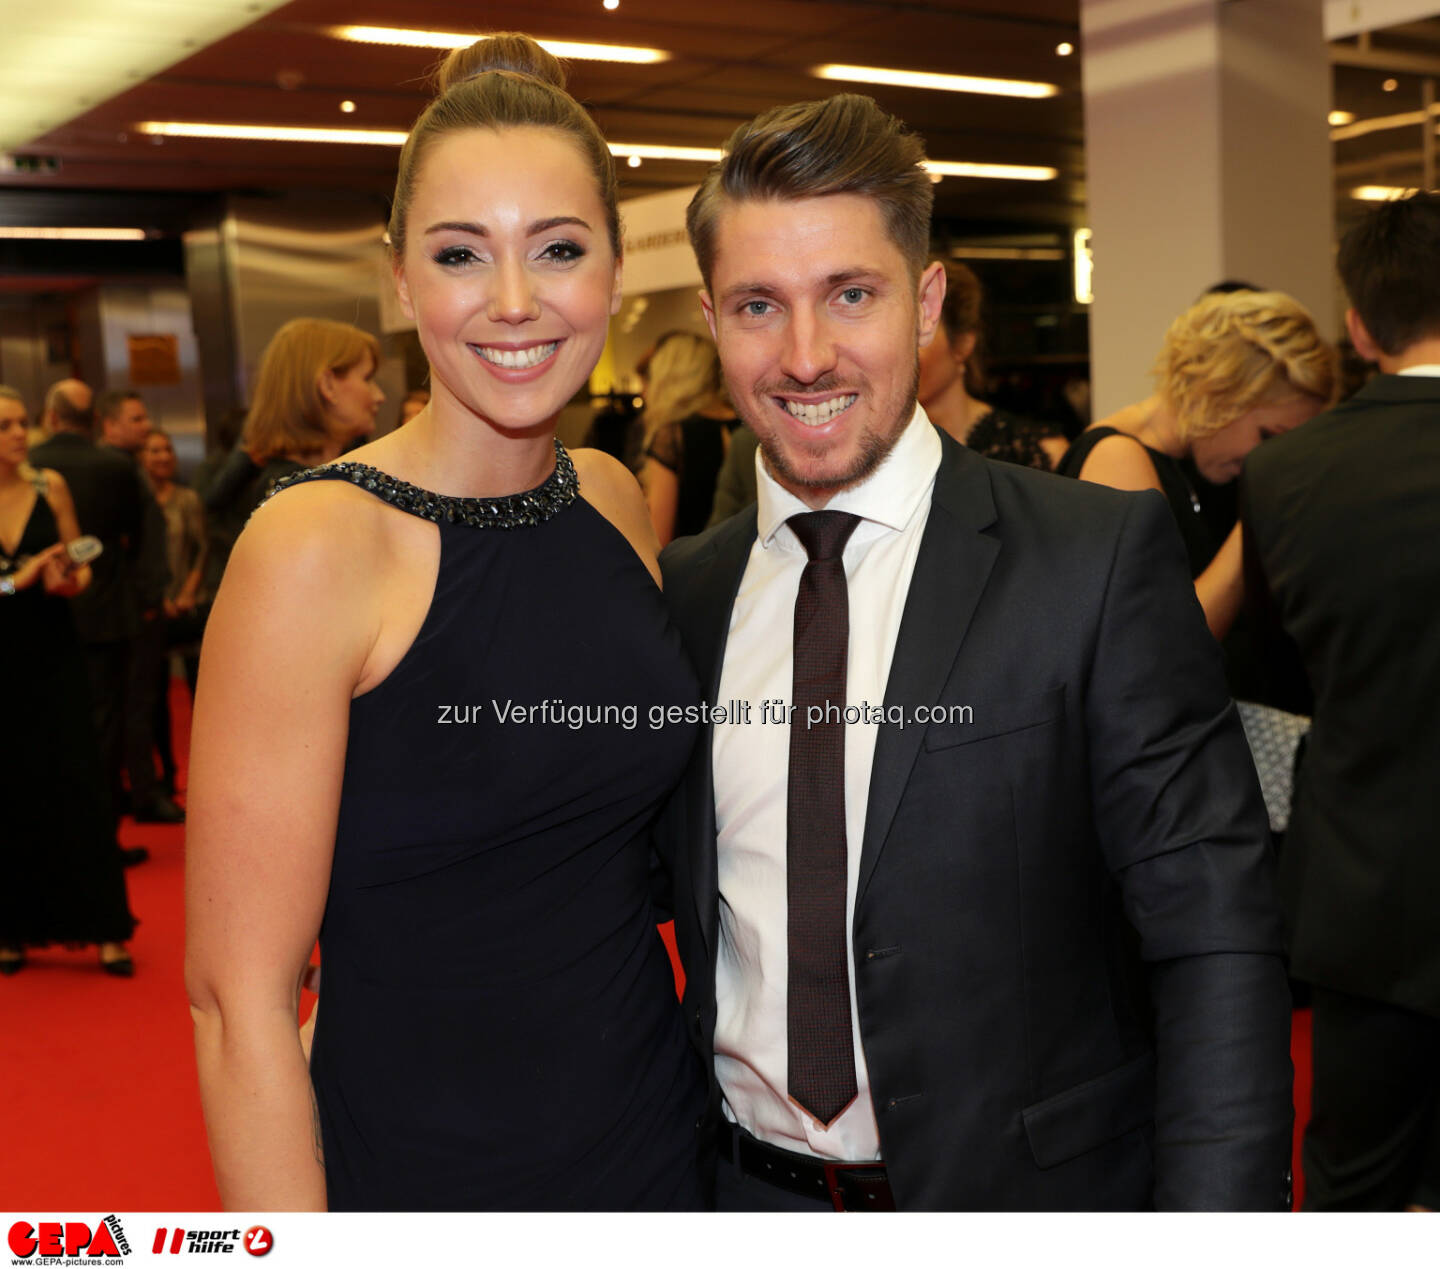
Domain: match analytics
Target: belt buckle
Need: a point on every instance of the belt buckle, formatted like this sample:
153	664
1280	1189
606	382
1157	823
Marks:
832	1186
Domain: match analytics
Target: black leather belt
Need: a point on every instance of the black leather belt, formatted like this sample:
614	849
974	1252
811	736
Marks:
851	1187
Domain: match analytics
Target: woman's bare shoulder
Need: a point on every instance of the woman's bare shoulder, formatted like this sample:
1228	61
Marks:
611	488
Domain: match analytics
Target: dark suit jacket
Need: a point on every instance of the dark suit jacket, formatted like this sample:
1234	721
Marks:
1343	516
109	503
1066	942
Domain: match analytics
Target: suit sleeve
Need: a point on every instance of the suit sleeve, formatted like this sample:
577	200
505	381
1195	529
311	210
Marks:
1179	816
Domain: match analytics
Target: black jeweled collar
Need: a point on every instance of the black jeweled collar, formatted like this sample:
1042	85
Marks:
510	511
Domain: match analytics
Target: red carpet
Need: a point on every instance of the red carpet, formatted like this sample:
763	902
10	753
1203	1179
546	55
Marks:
98	1095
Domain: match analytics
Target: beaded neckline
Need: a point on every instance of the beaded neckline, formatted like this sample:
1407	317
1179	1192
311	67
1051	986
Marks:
510	511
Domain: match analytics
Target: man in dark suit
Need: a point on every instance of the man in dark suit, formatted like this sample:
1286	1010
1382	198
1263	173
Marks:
124	424
1010	941
1343	521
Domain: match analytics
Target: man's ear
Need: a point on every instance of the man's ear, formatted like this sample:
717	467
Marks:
931	296
707	306
1364	342
402	288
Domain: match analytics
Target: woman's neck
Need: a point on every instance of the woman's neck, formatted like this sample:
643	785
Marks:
162	487
955	411
1151	422
450	450
10	475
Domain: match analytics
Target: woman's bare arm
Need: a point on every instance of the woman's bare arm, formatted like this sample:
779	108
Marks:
285	647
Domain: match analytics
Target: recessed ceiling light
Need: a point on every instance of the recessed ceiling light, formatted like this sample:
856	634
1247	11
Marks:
268	132
1065	49
943	83
990	171
634	161
1336	117
685	153
612	5
1390	85
69	232
159	129
1379	193
463	39
347	107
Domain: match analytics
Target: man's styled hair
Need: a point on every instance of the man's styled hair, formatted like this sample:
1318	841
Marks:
1390	265
844	144
108	404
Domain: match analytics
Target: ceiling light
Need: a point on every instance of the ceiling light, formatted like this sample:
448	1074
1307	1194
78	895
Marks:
612	5
1065	49
347	107
1363	127
685	153
267	132
92	235
628	150
1390	85
990	171
1379	193
375	136
634	161
64	59
1336	117
463	39
943	83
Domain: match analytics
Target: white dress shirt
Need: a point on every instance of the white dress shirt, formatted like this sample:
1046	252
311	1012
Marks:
751	764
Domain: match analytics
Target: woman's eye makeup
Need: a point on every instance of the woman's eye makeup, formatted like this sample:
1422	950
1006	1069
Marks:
563	251
455	255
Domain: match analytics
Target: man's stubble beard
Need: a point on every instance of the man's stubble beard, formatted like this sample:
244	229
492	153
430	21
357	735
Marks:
874	448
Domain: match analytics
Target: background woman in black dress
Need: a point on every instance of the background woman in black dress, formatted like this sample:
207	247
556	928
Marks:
950	379
1234	369
687	424
60	875
425	729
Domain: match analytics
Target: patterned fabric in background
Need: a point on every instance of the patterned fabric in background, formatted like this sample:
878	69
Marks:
1274	736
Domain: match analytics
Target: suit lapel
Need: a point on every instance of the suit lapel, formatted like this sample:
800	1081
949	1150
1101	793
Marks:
716	578
951	570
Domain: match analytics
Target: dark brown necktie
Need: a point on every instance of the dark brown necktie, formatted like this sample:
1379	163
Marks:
821	1049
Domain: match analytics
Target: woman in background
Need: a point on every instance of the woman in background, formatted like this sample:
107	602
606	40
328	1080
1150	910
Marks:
950	375
315	395
687	425
499	1027
185	600
61	879
1234	369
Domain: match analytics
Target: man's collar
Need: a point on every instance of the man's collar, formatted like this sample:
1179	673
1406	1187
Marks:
888	496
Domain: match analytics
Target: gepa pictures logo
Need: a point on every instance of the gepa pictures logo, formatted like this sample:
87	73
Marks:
68	1242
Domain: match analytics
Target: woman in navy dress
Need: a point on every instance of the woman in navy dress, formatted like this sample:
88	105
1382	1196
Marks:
423	730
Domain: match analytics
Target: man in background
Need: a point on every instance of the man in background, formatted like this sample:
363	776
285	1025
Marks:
1342	528
124	424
